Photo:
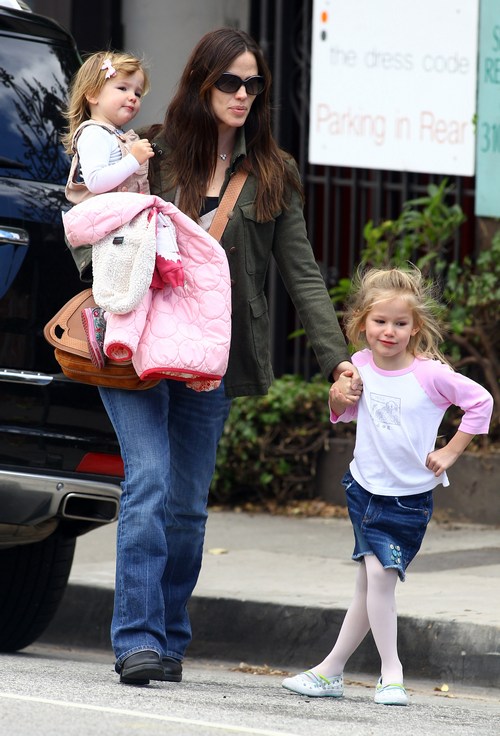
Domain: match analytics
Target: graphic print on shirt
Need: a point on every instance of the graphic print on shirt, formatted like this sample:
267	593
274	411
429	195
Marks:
385	410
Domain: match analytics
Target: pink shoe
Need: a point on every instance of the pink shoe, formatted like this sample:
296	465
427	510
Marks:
119	352
94	325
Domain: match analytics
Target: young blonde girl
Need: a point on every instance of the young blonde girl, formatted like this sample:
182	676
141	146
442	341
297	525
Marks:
90	82
407	387
106	96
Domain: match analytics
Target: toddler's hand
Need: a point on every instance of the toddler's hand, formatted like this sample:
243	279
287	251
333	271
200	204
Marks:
440	460
142	150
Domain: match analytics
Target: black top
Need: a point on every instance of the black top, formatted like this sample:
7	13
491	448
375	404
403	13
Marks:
209	204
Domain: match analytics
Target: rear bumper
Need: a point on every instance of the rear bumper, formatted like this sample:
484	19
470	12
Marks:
30	499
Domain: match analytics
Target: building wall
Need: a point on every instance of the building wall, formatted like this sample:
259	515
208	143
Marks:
60	10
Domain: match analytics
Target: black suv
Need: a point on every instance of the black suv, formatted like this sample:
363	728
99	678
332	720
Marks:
59	463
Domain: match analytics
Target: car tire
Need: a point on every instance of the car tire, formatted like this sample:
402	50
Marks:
33	578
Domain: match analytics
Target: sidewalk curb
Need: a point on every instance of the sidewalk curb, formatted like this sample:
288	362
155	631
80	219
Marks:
293	637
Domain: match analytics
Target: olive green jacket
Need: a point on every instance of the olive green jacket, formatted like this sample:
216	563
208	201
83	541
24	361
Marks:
249	246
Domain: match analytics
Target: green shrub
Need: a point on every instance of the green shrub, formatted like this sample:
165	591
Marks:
472	297
270	443
420	234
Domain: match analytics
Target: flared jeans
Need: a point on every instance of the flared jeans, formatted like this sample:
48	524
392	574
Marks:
168	437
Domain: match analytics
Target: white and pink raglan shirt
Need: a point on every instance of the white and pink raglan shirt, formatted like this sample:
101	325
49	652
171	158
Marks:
398	418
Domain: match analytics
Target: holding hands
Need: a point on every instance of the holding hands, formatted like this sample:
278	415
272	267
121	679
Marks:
346	390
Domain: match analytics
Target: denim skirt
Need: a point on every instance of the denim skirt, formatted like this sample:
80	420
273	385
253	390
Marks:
390	527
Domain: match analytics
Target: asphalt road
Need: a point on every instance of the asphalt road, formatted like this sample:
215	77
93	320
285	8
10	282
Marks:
49	691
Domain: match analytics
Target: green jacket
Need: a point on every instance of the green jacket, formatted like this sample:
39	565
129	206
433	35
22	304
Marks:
249	246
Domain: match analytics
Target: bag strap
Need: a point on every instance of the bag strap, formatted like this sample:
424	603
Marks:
227	203
65	329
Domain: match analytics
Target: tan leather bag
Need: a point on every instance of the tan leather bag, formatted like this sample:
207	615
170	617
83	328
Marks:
66	334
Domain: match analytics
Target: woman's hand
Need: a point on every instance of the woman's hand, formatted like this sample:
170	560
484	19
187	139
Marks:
351	370
346	391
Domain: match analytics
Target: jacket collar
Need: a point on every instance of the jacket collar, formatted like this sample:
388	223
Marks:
239	150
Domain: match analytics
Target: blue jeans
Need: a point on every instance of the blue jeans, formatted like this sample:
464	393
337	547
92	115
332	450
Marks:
168	438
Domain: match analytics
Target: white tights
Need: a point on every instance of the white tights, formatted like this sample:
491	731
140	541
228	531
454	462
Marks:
373	607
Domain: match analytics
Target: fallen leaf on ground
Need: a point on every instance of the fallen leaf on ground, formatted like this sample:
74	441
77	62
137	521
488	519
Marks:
444	688
264	669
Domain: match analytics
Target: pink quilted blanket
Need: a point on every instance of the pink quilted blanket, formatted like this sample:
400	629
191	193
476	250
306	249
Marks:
181	332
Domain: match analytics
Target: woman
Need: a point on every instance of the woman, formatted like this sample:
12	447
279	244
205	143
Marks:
218	121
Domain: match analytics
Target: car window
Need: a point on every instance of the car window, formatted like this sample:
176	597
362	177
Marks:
34	77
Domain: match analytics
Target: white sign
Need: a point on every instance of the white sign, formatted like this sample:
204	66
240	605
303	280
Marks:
393	84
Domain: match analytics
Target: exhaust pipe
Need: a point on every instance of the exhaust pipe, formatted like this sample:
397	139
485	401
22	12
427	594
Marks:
90	508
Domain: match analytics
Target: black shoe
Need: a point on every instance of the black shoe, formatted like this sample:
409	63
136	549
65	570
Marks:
140	668
172	669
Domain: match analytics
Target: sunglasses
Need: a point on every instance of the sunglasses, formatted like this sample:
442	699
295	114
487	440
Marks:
231	83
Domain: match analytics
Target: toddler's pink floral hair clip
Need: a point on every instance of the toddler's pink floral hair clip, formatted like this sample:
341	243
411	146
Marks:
111	71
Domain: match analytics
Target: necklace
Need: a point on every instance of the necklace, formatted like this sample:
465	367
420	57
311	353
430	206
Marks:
223	156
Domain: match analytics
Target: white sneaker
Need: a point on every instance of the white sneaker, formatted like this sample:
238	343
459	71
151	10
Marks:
316	686
393	694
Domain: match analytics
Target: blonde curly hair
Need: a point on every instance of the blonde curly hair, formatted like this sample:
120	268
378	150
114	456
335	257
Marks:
374	286
89	81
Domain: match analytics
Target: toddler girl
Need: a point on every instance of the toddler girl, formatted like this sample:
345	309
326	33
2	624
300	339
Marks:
407	387
105	96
